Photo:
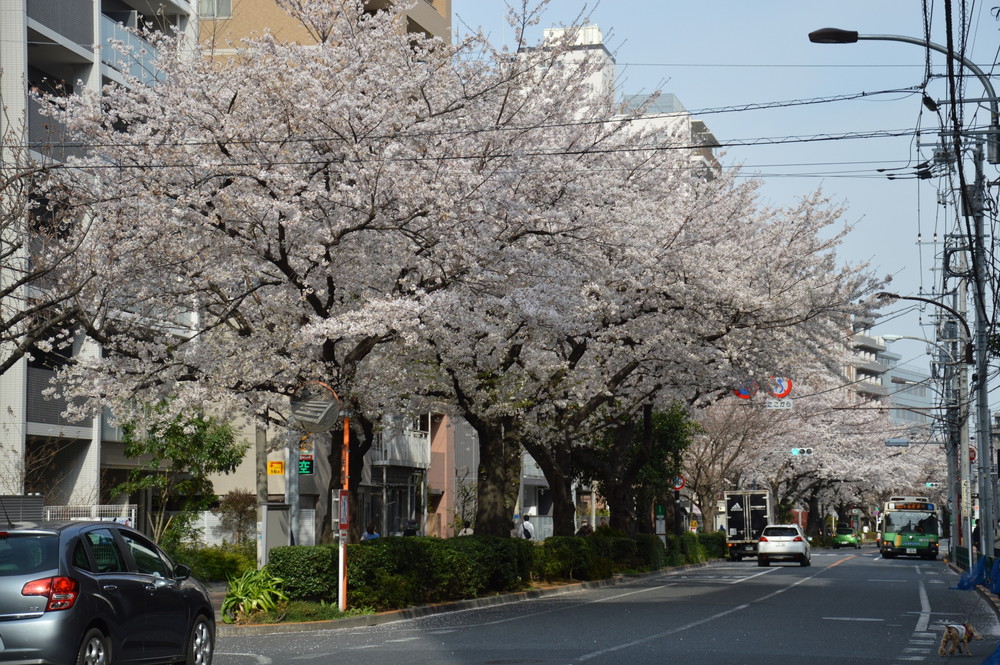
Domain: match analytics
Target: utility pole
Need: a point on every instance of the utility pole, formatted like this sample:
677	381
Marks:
984	437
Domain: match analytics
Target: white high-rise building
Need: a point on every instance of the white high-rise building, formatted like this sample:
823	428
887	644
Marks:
62	47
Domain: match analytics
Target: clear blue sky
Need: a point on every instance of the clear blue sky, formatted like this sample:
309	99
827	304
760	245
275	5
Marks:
715	55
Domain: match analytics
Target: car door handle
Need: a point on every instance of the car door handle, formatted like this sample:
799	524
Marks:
111	587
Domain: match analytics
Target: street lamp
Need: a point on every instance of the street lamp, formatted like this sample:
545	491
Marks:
838	36
983	420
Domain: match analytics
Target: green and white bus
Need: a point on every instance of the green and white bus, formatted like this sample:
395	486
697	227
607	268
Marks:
911	525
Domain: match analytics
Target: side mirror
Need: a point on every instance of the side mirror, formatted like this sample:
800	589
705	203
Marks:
182	572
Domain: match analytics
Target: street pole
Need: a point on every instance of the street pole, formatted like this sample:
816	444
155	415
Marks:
345	466
984	438
987	523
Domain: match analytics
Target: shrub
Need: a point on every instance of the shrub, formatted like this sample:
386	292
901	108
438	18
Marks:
650	550
309	571
714	543
218	563
693	550
563	557
254	592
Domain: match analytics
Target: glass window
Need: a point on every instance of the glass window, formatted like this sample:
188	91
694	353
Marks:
147	558
80	559
213	9
25	553
107	558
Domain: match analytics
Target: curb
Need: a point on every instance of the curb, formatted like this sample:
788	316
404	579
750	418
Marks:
365	620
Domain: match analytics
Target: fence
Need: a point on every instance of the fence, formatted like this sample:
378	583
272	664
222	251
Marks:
124	513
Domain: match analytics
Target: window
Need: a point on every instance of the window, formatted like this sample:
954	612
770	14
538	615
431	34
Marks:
215	9
107	558
20	554
147	559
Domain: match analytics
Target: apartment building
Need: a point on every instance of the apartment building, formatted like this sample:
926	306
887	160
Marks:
226	22
62	47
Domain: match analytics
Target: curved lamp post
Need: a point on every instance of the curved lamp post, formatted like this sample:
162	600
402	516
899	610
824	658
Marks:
838	36
983	428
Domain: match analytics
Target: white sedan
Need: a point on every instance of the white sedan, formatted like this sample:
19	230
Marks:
783	542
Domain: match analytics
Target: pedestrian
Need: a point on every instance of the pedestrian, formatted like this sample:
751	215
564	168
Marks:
604	522
585	529
527	529
370	532
411	528
975	537
466	528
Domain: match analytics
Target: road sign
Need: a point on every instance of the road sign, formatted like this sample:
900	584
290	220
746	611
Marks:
677	482
315	407
972	454
746	390
773	403
276	468
779	386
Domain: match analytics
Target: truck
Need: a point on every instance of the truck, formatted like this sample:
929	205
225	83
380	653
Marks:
747	513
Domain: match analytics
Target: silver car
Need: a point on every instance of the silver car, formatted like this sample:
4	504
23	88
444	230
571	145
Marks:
783	542
97	593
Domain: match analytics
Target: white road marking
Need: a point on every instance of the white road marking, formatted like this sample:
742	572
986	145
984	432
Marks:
925	609
852	619
263	660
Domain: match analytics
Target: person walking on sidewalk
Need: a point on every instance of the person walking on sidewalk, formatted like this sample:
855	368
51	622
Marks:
526	530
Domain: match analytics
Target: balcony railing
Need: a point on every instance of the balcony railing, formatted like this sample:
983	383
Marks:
73	20
135	59
404	447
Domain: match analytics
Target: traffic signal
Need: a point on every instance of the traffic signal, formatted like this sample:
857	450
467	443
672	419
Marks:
802	451
932	485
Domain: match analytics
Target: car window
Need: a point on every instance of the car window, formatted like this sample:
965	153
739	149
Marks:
27	553
147	559
781	531
80	559
845	530
107	558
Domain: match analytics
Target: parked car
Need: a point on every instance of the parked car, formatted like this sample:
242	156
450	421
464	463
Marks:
783	542
98	593
846	537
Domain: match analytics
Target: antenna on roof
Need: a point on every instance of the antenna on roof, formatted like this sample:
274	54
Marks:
5	515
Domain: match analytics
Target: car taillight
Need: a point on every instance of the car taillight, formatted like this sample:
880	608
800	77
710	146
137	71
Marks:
797	539
762	539
62	592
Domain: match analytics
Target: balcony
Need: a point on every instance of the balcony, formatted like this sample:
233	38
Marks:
46	135
138	56
401	447
45	415
72	20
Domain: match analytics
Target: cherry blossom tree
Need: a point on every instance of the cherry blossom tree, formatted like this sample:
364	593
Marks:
396	215
37	238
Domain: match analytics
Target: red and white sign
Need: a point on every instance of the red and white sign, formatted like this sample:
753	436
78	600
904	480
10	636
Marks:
747	390
779	386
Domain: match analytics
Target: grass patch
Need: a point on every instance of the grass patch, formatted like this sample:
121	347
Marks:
301	611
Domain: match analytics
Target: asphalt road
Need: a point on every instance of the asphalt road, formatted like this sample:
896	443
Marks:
848	607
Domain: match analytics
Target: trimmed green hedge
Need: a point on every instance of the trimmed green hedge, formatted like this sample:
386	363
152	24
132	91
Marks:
217	563
391	573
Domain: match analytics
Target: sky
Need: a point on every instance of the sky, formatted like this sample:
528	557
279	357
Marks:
718	57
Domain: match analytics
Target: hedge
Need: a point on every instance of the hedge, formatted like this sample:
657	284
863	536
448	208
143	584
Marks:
396	572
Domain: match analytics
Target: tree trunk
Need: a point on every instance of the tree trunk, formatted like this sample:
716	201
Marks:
554	459
498	477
